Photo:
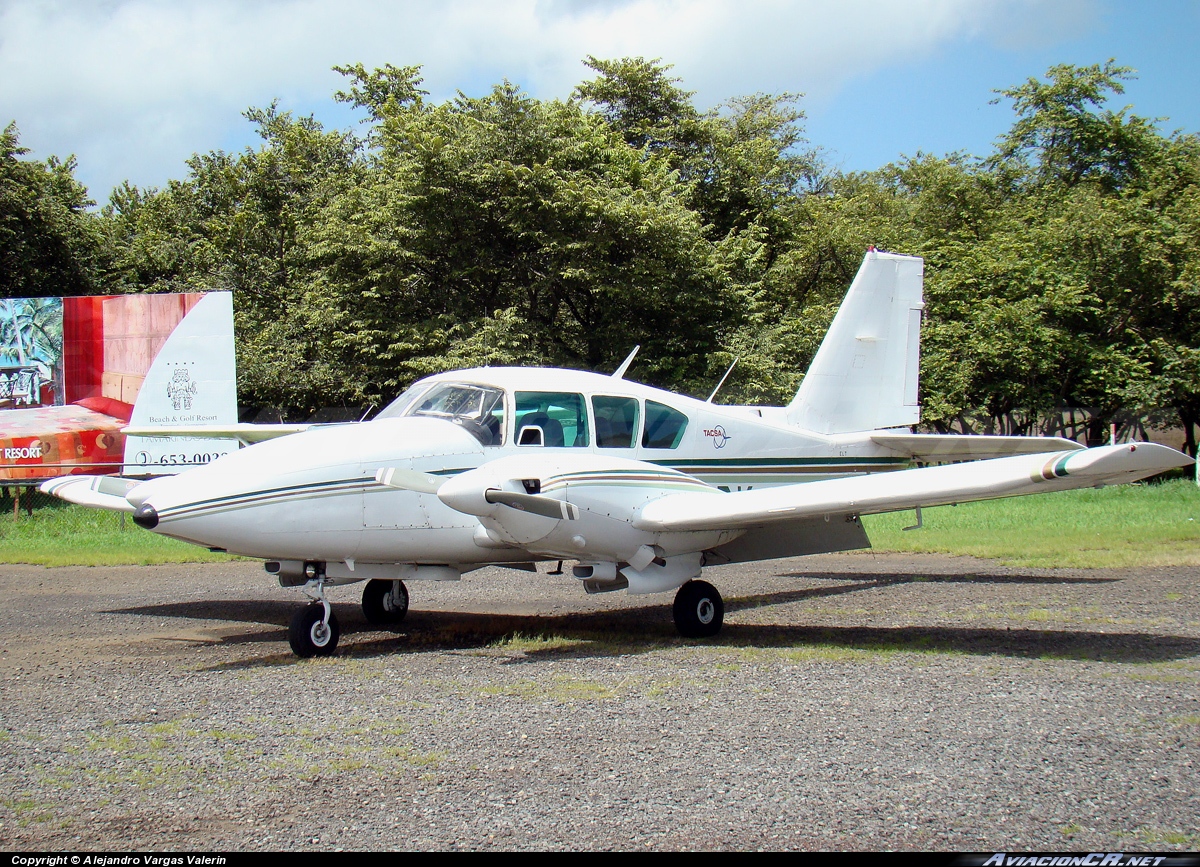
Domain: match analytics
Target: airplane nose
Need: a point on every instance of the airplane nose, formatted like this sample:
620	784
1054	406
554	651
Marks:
146	516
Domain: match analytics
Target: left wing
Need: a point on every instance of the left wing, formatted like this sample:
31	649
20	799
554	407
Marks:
98	492
247	434
906	489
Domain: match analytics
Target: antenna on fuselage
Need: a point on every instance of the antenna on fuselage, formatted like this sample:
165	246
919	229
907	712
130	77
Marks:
619	373
723	378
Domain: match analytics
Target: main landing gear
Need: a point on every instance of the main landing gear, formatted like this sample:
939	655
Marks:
699	610
385	602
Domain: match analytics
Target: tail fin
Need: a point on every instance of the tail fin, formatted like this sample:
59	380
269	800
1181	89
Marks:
192	383
864	376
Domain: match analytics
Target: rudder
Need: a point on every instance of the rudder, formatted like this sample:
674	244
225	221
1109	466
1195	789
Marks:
865	373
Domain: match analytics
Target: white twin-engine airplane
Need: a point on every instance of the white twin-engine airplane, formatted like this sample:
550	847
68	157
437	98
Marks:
641	487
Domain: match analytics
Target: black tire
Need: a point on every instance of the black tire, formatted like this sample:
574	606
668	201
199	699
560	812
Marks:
699	610
378	605
306	636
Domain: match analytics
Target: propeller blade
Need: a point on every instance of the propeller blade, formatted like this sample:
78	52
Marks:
547	507
409	480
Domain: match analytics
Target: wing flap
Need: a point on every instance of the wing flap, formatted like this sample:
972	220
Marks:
905	489
969	447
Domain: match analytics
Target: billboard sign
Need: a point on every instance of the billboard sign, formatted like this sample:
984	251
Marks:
74	371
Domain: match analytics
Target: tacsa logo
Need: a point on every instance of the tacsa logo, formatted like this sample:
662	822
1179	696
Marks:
719	437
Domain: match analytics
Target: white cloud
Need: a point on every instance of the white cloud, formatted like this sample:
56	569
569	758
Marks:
134	87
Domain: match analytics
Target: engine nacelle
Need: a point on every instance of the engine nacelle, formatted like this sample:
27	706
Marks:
581	506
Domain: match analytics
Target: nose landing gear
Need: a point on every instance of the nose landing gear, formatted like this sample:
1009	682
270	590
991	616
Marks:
312	633
314	629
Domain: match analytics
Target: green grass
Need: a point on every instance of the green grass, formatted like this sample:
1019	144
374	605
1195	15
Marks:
519	643
59	534
1130	525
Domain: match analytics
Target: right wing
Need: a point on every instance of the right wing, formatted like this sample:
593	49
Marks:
906	489
970	447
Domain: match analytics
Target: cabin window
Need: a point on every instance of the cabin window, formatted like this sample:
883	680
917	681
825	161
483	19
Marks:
664	426
560	416
477	409
616	421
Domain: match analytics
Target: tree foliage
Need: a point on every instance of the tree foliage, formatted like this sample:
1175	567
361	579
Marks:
50	243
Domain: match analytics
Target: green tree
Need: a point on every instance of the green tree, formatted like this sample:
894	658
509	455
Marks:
239	222
50	242
532	222
1056	267
1063	134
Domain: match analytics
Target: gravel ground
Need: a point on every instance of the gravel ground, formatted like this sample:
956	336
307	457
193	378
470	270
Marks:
859	701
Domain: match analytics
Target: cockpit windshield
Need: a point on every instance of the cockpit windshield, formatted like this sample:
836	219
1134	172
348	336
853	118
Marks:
396	408
479	409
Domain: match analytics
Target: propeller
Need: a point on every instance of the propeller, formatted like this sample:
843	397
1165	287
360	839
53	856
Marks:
547	507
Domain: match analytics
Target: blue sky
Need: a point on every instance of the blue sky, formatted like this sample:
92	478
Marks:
134	87
939	102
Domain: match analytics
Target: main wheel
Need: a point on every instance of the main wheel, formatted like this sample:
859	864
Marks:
381	606
699	610
309	636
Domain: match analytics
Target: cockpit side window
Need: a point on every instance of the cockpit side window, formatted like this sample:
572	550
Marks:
560	416
478	409
664	426
616	421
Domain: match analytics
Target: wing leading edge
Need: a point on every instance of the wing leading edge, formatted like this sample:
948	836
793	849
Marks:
247	434
97	492
906	489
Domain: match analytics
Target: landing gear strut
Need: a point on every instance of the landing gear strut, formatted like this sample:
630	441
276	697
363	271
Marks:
699	610
385	602
314	629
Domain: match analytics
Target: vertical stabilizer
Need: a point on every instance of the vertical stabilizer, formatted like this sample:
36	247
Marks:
192	382
864	376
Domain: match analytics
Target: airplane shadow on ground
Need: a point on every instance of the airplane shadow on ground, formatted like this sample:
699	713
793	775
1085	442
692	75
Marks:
641	629
967	578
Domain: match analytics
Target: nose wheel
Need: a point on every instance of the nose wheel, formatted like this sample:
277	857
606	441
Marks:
314	629
311	634
699	610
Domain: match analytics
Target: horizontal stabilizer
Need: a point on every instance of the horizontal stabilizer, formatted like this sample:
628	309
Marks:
969	447
98	492
906	489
